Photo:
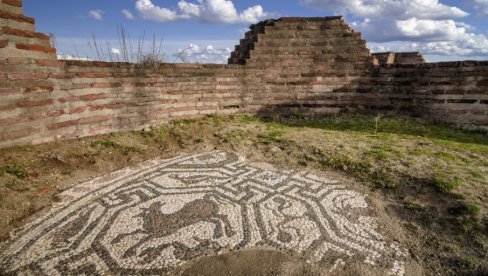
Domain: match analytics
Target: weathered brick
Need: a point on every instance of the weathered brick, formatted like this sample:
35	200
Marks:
107	106
3	43
16	17
92	97
50	62
63	124
15	60
35	47
27	76
9	91
28	131
105	85
69	99
95	75
95	119
42	115
291	19
10	121
24	33
61	75
55	113
39	89
16	3
80	109
135	84
32	103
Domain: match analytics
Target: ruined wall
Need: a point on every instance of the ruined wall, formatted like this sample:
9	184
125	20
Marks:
398	58
452	92
314	65
18	37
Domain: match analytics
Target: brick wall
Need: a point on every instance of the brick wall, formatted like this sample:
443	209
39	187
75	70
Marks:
452	92
18	37
398	58
314	65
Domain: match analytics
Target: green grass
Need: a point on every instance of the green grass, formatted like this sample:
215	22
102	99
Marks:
247	118
366	124
234	135
107	144
445	183
184	122
362	169
18	171
414	206
468	209
271	136
445	155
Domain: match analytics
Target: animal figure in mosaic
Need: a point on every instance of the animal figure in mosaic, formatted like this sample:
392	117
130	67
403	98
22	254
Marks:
283	235
156	224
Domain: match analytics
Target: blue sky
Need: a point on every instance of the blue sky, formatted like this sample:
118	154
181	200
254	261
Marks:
206	30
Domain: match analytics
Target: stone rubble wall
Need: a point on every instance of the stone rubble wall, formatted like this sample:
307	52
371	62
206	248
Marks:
306	65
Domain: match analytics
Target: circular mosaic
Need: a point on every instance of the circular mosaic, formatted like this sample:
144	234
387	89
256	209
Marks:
149	219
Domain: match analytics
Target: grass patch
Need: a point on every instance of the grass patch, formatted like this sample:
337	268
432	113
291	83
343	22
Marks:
378	154
468	209
414	206
234	135
184	122
465	262
361	169
107	144
18	171
135	149
271	136
445	156
247	118
444	183
370	125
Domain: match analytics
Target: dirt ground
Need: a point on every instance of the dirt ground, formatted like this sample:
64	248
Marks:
431	180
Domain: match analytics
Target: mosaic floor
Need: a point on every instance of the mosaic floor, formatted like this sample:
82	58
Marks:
151	218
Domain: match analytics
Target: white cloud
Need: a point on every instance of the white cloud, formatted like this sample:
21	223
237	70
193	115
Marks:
128	15
399	9
150	11
216	11
71	57
481	6
253	14
195	54
469	45
115	51
412	29
96	14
